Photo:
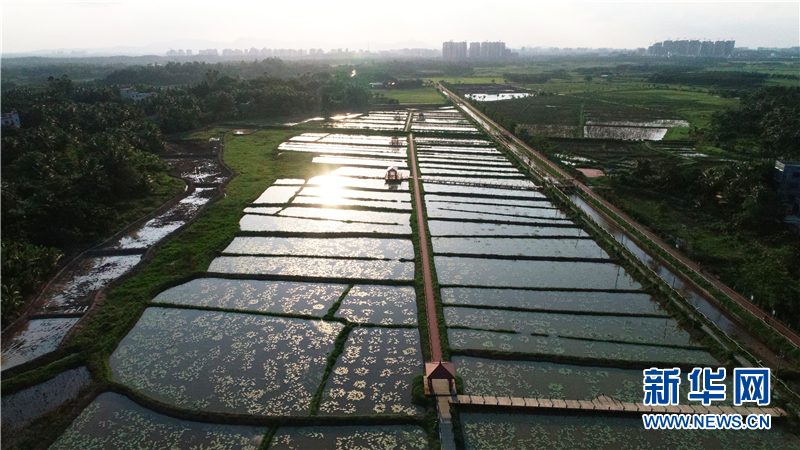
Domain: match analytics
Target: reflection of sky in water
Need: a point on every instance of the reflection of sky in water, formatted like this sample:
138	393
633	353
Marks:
39	336
112	421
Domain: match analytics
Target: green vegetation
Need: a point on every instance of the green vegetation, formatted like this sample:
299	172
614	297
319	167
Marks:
417	95
83	164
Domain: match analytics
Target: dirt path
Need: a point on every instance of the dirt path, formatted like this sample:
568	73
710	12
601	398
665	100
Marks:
733	295
430	303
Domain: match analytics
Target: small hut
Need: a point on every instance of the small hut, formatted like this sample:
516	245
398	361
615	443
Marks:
421	117
440	371
393	175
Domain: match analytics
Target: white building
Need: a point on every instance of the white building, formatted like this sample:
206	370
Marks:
133	95
11	119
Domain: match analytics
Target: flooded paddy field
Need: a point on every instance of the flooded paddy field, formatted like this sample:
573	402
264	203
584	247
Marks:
634	303
439	141
254	295
199	170
373	374
375	120
38	337
380	305
395	437
113	421
165	224
73	290
225	362
472	172
488	431
20	408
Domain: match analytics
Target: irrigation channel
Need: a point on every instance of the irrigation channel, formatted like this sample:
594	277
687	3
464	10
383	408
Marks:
312	327
70	294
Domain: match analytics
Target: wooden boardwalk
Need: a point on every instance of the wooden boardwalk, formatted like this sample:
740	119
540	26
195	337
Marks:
605	403
430	303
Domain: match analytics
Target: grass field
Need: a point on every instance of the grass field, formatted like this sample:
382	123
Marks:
417	95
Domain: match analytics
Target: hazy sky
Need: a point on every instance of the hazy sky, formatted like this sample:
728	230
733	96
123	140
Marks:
303	24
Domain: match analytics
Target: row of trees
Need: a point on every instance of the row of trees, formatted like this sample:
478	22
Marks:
82	150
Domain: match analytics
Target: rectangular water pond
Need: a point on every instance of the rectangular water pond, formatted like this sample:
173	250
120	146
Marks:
347	215
344	247
453	214
27	405
639	330
539	379
484	431
438	188
382	305
340	201
314	267
602	302
537	210
550	248
452	141
483	202
112	421
333	181
566	347
38	337
536	274
333	193
225	362
254	222
450	228
373	374
253	295
389	437
479	174
277	194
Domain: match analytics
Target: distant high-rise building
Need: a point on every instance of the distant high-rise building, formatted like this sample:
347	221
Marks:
706	48
454	50
692	48
493	50
475	50
188	53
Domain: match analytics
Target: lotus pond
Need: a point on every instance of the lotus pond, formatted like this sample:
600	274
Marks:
639	330
537	274
519	431
112	421
577	301
577	348
383	437
451	228
380	305
551	248
254	222
343	247
225	362
373	374
314	267
253	295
